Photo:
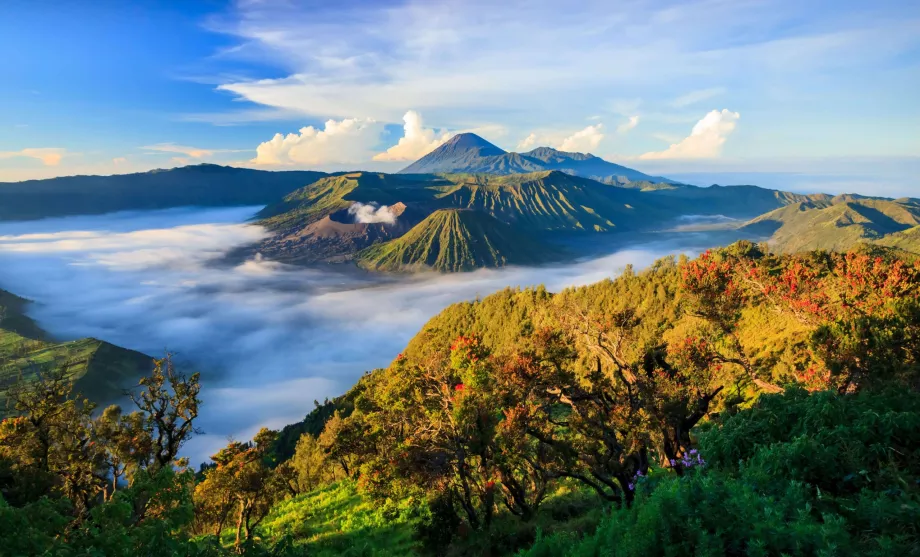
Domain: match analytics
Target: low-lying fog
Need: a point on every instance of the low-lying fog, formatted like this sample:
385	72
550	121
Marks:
269	339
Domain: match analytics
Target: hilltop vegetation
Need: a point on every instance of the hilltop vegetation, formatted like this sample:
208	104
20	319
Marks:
100	370
842	222
737	403
203	185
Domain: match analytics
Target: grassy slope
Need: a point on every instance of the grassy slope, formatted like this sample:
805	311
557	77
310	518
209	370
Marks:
553	200
548	200
337	520
328	195
841	224
455	240
101	370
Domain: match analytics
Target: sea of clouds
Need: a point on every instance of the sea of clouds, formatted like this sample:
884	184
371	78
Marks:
268	338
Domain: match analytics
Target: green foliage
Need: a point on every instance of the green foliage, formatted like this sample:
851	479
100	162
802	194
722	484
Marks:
798	474
339	520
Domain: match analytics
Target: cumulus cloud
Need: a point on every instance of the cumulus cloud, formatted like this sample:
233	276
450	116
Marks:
705	140
372	213
267	338
628	125
416	142
340	141
528	142
117	161
50	156
583	141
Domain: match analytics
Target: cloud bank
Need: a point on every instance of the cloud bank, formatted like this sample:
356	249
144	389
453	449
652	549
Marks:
269	339
705	140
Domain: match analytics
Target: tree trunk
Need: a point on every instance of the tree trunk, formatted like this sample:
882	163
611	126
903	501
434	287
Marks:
239	525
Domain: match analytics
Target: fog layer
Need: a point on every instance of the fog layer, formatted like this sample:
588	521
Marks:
268	338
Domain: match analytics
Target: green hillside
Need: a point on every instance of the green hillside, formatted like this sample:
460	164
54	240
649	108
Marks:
840	223
327	195
455	240
101	370
554	200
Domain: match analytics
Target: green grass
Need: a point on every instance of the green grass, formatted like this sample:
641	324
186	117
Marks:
338	520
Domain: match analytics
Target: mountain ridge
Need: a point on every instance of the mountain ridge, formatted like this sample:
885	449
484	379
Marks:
470	153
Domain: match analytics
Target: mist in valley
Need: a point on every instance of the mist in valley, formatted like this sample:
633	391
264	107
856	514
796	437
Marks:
268	338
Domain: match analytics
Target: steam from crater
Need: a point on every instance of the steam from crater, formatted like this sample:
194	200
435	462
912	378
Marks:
372	213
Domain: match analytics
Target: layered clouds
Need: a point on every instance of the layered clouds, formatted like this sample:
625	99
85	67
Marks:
543	66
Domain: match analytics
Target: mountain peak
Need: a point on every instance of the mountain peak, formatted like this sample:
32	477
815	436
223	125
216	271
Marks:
457	152
473	141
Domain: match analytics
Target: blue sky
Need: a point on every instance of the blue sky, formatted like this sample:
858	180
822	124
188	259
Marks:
803	95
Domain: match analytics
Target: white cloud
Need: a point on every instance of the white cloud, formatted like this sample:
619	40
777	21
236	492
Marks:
628	125
528	142
694	97
119	161
416	142
50	156
583	141
341	141
372	213
705	140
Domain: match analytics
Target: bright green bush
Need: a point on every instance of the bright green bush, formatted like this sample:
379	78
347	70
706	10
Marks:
797	474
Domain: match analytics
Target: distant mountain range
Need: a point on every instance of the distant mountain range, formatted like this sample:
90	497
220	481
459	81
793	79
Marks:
469	153
203	185
315	224
468	203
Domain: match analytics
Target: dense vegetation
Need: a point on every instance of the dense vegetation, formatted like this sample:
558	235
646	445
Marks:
737	403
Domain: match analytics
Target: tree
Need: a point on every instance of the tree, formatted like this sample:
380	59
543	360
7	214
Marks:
169	401
310	465
244	483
